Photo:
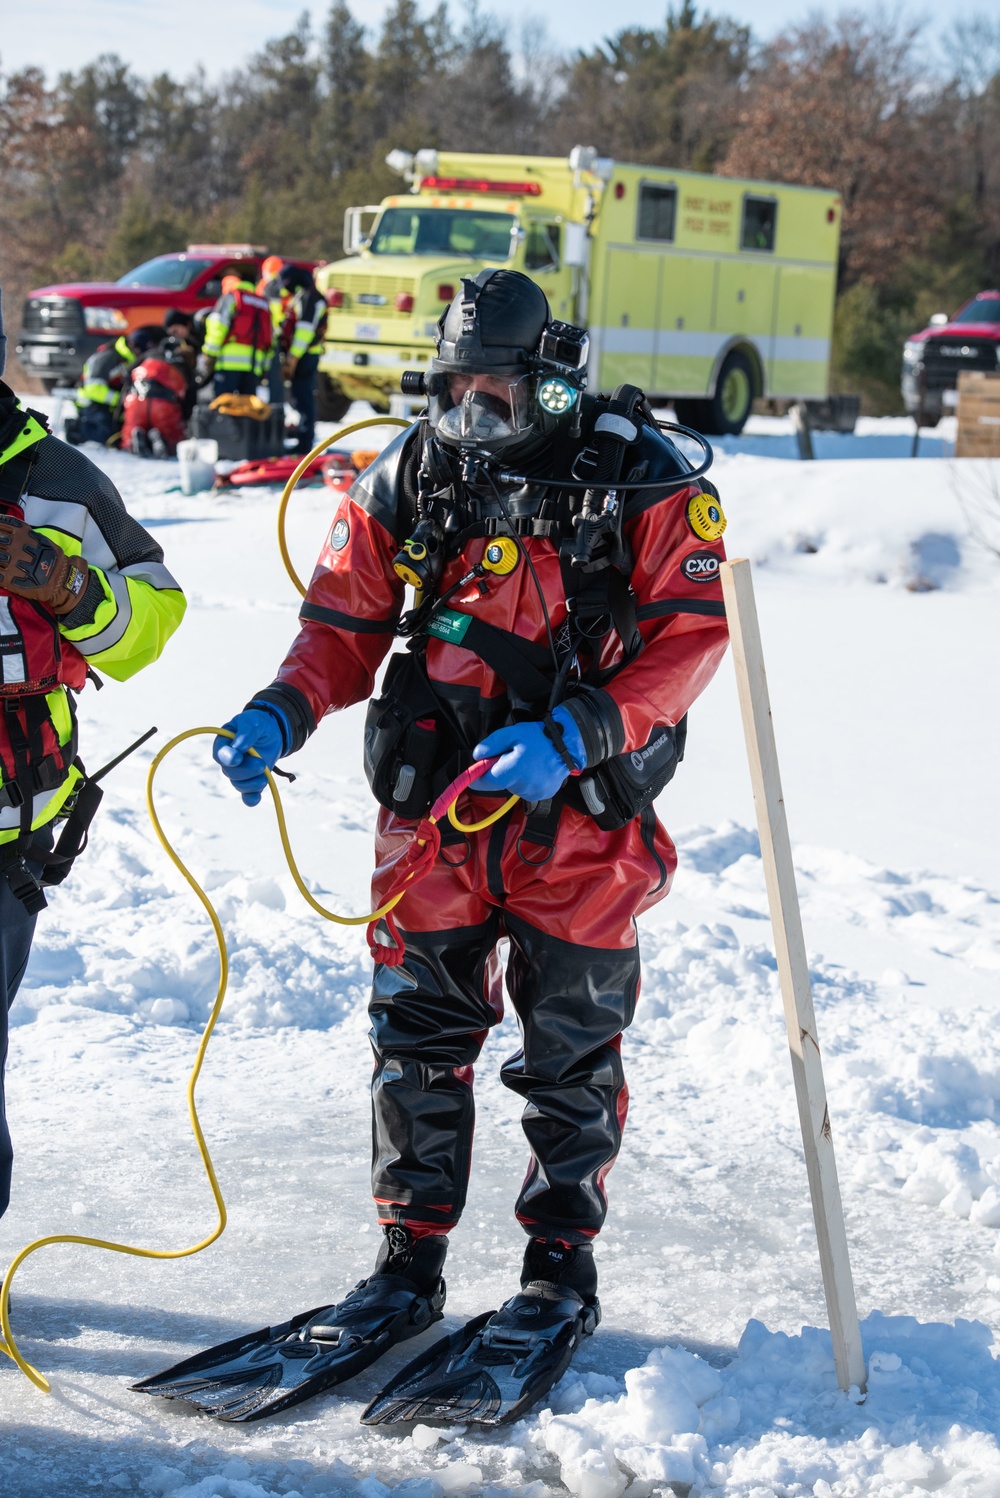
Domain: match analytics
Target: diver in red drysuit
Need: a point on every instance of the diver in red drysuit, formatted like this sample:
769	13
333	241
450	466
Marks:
477	681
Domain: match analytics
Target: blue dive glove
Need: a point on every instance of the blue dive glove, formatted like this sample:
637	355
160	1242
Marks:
530	765
265	729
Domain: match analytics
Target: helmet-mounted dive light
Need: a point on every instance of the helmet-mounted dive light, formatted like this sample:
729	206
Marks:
556	396
566	347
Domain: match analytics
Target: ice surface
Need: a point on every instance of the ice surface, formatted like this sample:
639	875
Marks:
711	1373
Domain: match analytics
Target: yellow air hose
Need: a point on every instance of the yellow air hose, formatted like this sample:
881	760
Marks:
8	1345
286	494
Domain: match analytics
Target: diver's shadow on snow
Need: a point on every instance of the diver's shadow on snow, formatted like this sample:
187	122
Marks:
41	1319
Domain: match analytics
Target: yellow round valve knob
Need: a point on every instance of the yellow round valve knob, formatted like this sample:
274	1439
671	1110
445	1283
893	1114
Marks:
501	556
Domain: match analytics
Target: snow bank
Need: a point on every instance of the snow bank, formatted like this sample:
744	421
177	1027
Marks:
772	1423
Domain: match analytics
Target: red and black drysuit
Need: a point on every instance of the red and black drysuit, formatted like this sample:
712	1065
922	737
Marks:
573	968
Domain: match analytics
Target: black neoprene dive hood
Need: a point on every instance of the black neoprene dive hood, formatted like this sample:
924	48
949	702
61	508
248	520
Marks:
493	326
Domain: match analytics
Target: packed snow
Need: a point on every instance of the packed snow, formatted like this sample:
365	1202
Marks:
712	1372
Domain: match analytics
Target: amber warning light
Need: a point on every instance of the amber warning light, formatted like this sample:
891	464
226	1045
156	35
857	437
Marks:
481	184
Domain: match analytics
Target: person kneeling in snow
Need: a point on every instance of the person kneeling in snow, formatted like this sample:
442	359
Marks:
570	648
154	406
82	585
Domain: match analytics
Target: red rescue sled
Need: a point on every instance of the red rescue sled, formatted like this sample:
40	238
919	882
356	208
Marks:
337	468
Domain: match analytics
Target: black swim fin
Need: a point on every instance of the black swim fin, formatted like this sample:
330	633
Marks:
493	1369
278	1366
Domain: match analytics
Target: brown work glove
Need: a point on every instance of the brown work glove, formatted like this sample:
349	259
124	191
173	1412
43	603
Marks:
288	367
32	566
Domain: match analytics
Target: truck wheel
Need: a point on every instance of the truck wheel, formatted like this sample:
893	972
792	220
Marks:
331	402
733	398
695	414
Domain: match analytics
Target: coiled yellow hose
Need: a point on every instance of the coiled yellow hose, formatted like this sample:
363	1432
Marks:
9	1345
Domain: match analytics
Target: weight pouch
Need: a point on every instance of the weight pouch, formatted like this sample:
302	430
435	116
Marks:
402	740
619	789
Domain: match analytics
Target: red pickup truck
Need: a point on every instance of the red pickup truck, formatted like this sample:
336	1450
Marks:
934	358
63	325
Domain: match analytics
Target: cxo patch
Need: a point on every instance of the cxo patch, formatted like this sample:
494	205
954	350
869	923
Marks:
340	535
701	567
705	517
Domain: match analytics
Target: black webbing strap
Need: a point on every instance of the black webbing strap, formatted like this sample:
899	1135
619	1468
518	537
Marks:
553	731
540	827
21	881
519	663
20	748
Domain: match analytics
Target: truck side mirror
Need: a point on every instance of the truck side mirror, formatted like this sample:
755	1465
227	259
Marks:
212	288
574	244
355	238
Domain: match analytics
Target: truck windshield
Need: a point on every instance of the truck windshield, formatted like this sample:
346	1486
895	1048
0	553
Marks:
172	272
444	231
982	309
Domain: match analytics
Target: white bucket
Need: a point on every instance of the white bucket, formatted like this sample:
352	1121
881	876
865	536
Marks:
198	457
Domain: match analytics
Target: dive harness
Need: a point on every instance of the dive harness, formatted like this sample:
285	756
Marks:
412	746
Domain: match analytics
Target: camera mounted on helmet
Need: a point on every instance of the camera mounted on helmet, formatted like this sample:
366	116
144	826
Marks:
504	373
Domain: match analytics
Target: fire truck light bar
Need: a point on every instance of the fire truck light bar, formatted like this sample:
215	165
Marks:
481	184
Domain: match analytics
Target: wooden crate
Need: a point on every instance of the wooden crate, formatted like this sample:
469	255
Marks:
978	416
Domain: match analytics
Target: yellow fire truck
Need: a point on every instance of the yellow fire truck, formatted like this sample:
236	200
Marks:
705	290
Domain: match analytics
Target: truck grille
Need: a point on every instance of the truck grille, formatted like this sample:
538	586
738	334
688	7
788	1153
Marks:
357	290
945	358
52	314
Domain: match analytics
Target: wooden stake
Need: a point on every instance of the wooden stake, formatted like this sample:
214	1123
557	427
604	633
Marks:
793	972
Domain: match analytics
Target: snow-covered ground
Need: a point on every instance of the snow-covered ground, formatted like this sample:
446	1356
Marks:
709	1375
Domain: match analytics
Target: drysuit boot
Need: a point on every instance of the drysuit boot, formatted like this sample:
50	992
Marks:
418	1261
569	1266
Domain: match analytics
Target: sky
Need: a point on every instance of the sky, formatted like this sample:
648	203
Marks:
61	35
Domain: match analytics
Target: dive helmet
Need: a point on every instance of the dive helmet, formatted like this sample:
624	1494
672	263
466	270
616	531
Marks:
498	329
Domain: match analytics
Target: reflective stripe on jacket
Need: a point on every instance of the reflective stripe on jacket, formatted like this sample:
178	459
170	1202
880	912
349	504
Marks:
309	309
239	332
104	374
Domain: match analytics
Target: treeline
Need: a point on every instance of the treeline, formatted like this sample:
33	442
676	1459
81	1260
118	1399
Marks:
103	169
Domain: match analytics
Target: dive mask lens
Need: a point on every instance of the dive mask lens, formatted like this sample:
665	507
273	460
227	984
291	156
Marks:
486	414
